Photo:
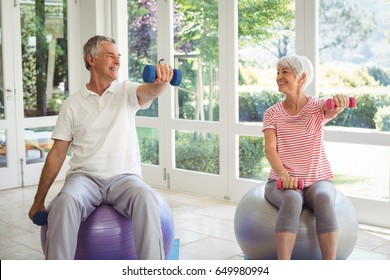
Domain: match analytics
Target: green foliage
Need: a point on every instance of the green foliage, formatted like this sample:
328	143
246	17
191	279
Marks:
379	75
251	153
56	102
142	28
382	119
197	152
334	75
200	32
188	111
246	76
27	14
252	105
149	151
149	145
362	116
258	19
35	56
200	152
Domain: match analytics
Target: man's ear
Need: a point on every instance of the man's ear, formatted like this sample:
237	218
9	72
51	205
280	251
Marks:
90	59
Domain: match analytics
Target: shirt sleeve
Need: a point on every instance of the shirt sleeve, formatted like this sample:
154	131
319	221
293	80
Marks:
131	89
268	122
63	128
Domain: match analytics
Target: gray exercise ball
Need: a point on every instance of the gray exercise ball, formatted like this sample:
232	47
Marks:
254	226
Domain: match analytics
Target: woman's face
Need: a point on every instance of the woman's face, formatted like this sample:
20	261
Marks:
286	79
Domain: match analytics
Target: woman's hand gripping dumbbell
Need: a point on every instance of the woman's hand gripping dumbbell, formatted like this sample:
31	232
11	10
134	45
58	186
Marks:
150	74
279	184
330	104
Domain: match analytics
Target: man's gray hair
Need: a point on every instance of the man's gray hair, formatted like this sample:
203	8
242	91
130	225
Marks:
92	46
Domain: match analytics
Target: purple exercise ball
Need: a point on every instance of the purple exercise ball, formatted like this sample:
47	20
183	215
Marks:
107	235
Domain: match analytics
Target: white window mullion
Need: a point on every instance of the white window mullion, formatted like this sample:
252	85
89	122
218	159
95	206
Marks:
165	50
306	36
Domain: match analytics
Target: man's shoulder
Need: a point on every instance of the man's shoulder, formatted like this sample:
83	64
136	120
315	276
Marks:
125	85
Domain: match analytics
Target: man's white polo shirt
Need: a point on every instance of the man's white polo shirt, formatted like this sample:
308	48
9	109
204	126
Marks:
102	130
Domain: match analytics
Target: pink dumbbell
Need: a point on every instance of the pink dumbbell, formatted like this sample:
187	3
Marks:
279	184
330	103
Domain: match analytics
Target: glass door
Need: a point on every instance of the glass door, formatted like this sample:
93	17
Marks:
38	57
198	136
181	136
44	76
9	165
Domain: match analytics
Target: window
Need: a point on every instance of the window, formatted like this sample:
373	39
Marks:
44	56
38	142
353	51
266	32
142	45
196	54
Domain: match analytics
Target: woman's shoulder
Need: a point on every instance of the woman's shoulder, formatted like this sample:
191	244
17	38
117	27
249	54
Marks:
316	101
274	109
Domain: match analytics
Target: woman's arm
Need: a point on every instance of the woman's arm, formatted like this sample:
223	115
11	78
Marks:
341	102
273	158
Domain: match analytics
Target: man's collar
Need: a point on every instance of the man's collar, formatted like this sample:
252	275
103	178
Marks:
85	92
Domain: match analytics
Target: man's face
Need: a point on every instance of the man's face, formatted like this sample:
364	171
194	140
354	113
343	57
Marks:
107	62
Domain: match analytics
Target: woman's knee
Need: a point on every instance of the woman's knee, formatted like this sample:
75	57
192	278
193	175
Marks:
292	197
323	199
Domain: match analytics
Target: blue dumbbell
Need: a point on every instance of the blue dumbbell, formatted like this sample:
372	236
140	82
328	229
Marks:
40	218
149	75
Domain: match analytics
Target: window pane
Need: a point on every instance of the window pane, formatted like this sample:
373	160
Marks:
363	170
253	163
142	45
354	57
44	56
266	31
197	151
38	142
149	145
196	46
3	149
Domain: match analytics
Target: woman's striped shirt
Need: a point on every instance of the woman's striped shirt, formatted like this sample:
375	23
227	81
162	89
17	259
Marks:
300	144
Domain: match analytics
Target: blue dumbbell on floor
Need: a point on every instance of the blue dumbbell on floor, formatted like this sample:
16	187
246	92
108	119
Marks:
149	75
40	218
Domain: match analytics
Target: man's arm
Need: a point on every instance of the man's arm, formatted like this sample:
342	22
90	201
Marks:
51	168
147	92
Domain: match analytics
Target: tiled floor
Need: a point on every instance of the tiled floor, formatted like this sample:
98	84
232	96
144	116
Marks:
204	226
